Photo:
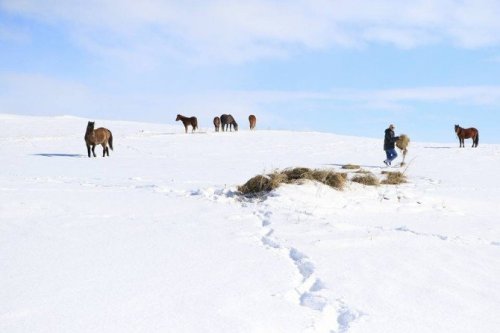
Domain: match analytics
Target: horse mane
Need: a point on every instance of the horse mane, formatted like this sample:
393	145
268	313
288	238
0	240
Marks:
90	128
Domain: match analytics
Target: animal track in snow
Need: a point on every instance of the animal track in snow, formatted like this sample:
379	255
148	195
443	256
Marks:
334	317
308	293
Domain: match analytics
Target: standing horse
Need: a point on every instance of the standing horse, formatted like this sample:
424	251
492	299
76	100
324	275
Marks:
228	121
217	124
252	120
101	136
188	121
467	133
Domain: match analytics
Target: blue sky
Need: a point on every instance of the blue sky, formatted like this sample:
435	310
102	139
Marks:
349	67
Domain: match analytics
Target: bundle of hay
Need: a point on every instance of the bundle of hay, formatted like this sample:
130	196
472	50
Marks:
393	178
328	177
263	183
368	179
296	173
402	143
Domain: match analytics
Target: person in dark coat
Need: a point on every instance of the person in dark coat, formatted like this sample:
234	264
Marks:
389	145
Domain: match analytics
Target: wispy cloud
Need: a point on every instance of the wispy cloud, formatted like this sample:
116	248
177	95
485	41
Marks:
229	31
43	95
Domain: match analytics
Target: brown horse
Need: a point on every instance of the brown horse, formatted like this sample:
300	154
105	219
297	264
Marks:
227	121
217	124
252	120
101	136
467	133
188	121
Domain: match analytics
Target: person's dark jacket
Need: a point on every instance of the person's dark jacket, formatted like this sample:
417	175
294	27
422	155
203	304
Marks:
389	139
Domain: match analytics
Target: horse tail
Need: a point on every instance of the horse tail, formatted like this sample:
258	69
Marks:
476	139
110	140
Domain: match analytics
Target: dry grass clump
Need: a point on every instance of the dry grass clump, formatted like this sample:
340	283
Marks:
262	183
350	166
296	173
362	171
267	183
366	179
394	178
328	177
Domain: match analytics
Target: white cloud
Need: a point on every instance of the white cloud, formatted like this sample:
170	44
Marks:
239	31
42	95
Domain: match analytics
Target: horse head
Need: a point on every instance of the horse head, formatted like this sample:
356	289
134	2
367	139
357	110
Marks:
178	117
90	126
235	124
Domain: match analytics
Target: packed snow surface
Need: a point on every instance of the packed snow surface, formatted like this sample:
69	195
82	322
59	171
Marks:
155	238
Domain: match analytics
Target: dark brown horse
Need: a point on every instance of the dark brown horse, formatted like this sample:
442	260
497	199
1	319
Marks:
227	121
217	124
467	133
252	120
188	121
101	136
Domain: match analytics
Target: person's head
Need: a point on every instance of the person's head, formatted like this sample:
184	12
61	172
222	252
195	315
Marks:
391	126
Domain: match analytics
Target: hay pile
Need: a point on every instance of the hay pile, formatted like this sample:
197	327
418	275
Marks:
265	183
262	184
368	179
393	178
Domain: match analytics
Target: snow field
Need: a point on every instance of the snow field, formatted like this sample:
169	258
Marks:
156	239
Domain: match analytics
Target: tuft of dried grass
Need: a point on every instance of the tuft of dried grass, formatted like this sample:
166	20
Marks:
328	177
256	184
296	173
394	178
366	179
350	166
362	171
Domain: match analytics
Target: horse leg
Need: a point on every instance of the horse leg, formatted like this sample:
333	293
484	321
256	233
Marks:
88	149
93	150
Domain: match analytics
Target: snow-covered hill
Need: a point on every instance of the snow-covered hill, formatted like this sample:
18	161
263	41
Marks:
155	238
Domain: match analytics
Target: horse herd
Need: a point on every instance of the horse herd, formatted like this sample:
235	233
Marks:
225	121
102	136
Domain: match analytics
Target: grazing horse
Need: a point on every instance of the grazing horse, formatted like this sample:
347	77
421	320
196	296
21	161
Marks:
228	121
217	124
101	136
252	120
188	121
467	133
